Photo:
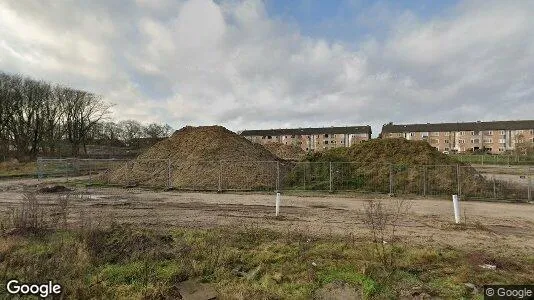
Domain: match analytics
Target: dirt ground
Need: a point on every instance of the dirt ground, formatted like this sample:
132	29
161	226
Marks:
497	227
515	174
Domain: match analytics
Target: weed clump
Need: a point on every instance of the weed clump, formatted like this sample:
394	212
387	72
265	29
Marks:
121	243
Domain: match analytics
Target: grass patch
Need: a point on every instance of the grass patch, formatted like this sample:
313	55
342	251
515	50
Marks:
129	262
349	275
13	168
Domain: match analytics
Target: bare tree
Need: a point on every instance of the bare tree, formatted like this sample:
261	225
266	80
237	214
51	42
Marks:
157	131
83	111
131	131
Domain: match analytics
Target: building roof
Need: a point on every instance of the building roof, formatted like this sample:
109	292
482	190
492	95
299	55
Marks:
308	131
464	126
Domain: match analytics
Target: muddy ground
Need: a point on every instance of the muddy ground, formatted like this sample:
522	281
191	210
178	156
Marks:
491	226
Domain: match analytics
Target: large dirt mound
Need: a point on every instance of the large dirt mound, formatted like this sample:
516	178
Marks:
409	166
387	151
205	157
287	152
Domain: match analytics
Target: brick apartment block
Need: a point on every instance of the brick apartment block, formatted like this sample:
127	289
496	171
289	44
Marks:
494	137
311	139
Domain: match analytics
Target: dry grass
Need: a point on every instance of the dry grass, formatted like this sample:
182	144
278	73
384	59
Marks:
101	259
15	168
128	262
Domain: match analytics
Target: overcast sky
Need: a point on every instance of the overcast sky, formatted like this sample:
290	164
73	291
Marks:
275	63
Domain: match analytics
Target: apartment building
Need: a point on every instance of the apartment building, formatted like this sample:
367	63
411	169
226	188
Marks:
493	137
311	139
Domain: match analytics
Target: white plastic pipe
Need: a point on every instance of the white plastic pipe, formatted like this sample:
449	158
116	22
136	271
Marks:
277	204
456	205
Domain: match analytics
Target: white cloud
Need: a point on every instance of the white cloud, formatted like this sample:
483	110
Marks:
200	62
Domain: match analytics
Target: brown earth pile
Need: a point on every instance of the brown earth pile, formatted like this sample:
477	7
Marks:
410	162
287	152
204	157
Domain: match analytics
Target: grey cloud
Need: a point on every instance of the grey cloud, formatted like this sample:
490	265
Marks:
200	62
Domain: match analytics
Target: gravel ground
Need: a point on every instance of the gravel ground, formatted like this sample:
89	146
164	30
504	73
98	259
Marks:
499	227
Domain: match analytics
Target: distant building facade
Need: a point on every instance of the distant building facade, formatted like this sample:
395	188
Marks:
494	137
311	139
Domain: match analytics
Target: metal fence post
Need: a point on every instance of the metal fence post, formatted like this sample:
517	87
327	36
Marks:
494	188
424	179
67	169
304	176
391	178
90	174
277	176
38	169
219	186
128	173
529	184
331	177
169	166
458	179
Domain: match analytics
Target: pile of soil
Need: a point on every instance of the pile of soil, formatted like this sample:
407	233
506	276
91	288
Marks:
396	151
54	189
287	152
202	158
411	163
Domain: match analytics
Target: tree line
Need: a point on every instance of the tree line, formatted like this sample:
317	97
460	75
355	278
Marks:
40	118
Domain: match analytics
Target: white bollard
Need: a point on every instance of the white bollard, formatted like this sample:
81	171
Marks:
277	203
456	205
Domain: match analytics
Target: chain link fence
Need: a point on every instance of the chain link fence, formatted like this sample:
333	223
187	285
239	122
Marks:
481	182
495	159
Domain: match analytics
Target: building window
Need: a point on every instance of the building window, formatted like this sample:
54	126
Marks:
489	132
502	141
475	141
447	133
531	131
326	135
434	133
461	133
326	142
269	137
412	134
488	141
461	141
447	149
434	141
446	141
503	132
501	149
